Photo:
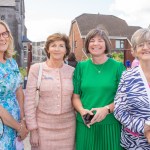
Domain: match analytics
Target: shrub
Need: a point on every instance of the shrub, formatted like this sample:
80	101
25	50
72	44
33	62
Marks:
118	56
23	72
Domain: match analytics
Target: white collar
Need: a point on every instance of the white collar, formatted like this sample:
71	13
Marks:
145	82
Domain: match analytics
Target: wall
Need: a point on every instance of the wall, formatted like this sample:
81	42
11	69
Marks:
14	17
75	36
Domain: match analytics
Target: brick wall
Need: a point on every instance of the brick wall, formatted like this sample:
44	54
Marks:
75	37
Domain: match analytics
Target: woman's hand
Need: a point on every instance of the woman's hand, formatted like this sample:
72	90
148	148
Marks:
34	138
22	131
84	112
100	114
147	132
147	135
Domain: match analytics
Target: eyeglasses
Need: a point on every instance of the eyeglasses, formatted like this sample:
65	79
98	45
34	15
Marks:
5	34
141	45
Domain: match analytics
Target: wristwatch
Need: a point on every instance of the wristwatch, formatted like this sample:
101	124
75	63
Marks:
108	109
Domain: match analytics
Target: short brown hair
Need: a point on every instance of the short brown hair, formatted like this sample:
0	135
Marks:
57	37
102	33
9	52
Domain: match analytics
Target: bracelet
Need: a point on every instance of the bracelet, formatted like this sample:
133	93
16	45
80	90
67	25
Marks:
23	119
21	125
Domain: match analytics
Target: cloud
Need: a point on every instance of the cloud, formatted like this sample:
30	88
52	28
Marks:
44	27
47	17
135	12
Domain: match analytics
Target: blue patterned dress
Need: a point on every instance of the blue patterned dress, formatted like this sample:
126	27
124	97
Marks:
10	80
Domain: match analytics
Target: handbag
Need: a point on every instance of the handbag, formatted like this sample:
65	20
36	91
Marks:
19	144
37	97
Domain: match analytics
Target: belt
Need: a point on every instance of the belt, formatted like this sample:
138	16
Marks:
133	133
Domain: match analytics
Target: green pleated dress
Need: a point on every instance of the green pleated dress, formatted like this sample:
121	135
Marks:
97	86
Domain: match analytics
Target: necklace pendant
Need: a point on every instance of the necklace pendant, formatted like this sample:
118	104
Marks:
99	71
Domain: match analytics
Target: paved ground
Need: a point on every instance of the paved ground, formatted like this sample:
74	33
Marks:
26	141
27	144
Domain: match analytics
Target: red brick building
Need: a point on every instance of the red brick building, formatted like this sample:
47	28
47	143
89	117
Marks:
119	33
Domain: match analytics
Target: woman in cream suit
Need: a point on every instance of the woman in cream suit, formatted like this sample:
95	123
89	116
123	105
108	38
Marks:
52	124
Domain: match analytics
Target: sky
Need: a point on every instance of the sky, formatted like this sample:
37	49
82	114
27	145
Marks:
45	17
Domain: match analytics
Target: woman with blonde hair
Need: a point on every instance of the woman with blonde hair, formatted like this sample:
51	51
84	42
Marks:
11	93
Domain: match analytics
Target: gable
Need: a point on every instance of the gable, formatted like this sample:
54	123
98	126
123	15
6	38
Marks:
114	25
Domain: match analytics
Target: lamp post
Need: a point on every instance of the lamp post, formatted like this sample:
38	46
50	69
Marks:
27	51
29	61
27	47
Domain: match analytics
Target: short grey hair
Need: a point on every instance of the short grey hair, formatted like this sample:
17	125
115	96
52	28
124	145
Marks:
140	36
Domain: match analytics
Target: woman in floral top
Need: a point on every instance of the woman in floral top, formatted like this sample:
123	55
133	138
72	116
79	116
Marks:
11	94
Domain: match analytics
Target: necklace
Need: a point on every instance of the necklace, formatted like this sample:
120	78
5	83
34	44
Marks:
98	68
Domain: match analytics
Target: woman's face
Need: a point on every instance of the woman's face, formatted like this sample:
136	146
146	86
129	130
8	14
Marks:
57	50
142	51
97	46
4	39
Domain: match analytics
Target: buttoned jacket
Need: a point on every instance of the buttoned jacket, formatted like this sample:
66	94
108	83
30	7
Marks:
56	90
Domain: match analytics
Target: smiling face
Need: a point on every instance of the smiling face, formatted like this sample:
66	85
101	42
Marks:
4	39
97	46
142	51
57	50
99	38
58	45
141	44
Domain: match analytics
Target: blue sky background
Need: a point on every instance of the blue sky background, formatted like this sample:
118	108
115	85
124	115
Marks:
44	17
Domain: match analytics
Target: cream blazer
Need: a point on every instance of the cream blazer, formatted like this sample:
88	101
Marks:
56	90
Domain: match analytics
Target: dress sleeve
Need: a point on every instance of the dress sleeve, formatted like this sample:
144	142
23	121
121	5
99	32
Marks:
77	79
30	94
122	112
121	68
15	68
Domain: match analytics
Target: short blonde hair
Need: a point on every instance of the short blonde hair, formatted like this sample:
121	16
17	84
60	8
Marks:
140	36
9	52
57	37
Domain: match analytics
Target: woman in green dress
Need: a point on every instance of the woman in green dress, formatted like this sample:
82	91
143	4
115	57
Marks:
95	85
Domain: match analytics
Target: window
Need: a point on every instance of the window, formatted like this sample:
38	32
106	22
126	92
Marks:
2	17
25	54
25	47
75	44
119	44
